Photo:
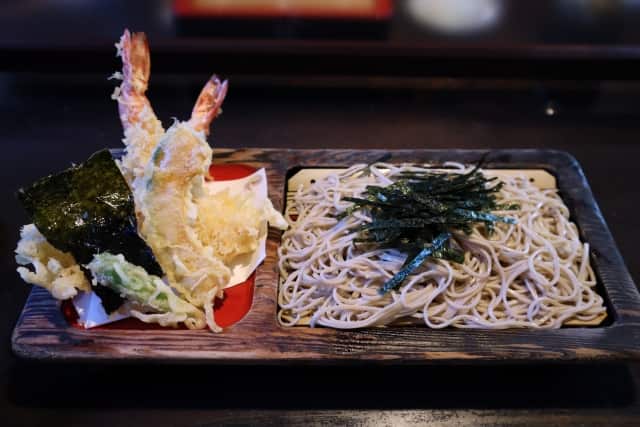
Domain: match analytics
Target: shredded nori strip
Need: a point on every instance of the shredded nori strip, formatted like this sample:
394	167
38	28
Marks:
88	209
436	245
419	214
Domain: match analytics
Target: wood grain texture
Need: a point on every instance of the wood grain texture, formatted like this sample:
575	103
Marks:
42	332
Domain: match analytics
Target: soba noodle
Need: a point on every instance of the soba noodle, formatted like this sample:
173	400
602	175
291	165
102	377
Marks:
534	273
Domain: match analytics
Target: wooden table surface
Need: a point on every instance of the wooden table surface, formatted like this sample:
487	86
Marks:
47	122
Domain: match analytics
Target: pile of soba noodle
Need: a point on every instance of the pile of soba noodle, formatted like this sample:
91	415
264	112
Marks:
533	274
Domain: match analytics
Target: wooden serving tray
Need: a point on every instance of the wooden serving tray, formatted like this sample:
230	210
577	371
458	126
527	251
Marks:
43	333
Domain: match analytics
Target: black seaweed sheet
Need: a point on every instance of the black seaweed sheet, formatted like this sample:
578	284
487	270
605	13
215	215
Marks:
89	209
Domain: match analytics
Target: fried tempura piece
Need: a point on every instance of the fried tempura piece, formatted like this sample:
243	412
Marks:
168	196
142	129
54	270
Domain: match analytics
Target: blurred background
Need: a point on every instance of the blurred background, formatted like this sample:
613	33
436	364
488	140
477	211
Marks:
557	56
489	38
426	22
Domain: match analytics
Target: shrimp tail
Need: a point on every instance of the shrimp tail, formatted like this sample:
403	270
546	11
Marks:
136	68
208	105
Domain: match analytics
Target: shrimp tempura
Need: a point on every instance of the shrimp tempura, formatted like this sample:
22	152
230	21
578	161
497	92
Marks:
166	172
142	129
171	186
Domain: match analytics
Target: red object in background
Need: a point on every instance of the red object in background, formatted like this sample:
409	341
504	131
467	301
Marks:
229	310
314	9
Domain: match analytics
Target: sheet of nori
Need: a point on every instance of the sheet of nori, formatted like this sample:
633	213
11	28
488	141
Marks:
89	209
